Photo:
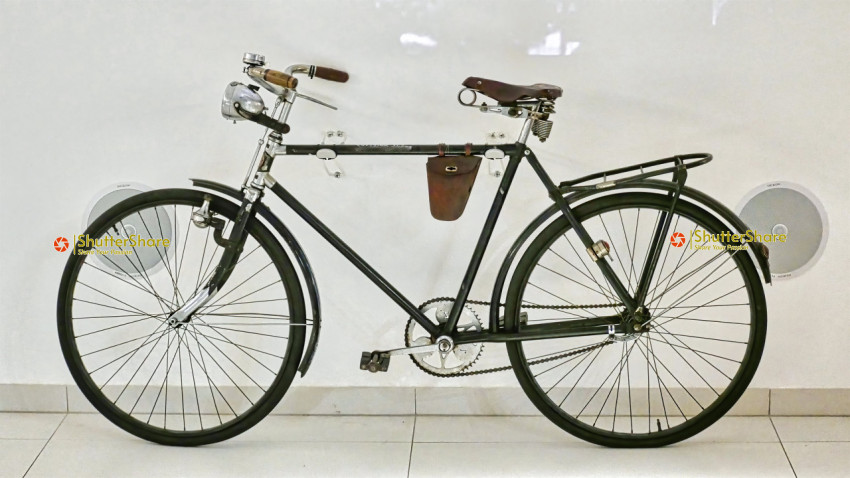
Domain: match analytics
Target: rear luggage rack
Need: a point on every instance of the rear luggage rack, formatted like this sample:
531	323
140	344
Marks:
679	162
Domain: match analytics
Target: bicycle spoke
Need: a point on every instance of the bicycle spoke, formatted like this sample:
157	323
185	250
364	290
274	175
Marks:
219	298
629	250
561	298
613	245
668	374
598	284
208	372
601	291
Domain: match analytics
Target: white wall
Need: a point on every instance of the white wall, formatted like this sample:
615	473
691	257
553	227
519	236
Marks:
98	92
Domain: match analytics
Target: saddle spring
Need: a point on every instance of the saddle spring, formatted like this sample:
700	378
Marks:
542	126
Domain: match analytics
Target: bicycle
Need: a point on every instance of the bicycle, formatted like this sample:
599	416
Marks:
616	334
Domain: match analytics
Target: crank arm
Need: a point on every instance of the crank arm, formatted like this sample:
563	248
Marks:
379	361
411	350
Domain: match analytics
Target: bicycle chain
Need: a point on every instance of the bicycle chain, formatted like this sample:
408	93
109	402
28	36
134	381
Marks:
533	362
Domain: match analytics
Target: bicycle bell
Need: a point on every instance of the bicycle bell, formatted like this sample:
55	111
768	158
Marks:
248	99
253	59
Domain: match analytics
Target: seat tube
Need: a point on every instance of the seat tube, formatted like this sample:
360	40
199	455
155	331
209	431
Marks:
484	239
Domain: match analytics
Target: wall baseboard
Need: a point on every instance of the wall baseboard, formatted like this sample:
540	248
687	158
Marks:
433	401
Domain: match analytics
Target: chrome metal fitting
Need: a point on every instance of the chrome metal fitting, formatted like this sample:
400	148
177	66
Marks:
251	194
253	59
598	250
201	217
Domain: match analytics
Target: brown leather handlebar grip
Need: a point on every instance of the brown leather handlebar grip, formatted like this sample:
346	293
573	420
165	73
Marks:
280	79
331	74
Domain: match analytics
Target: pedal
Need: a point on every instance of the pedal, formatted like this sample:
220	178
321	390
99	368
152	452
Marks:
523	319
374	361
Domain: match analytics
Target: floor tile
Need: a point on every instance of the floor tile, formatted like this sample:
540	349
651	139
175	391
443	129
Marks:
77	402
17	455
809	402
512	401
29	425
473	401
89	427
315	401
398	429
738	430
347	401
813	428
460	429
754	401
33	398
560	459
819	460
136	458
539	429
273	428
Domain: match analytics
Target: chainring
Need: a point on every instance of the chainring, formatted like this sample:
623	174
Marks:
461	357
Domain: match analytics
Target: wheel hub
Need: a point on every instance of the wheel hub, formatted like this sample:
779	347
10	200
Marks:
634	325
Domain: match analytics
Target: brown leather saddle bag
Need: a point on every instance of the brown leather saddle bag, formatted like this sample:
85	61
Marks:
450	181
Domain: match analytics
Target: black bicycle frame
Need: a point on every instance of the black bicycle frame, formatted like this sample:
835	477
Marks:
516	153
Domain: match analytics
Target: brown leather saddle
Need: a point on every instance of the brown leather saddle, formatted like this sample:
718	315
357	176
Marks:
505	93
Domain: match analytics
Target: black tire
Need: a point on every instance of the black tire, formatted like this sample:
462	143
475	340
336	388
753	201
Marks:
637	430
273	339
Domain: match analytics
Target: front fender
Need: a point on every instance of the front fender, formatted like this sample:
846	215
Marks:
758	251
300	257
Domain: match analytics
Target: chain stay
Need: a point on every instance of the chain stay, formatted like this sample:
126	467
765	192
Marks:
533	362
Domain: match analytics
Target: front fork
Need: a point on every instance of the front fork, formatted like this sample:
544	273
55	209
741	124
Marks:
598	249
233	245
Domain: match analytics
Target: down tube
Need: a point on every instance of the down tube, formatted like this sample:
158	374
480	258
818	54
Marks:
354	258
483	240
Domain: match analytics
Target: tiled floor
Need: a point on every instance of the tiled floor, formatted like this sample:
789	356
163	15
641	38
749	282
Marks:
86	445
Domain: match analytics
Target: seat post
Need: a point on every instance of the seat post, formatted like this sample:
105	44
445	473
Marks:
527	126
526	129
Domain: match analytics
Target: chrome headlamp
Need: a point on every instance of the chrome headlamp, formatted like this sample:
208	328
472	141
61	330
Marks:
248	99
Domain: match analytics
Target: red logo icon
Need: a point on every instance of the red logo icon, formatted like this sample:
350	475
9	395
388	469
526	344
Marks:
60	244
677	239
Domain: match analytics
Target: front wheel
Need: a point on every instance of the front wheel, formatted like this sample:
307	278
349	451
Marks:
179	383
693	358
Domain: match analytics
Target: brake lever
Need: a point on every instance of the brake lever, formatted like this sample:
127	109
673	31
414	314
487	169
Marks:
314	100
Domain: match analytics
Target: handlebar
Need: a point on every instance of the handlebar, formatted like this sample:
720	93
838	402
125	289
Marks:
281	83
285	79
274	77
330	74
322	72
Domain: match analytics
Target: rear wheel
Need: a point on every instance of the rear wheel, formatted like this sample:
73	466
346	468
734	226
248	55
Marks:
179	384
667	382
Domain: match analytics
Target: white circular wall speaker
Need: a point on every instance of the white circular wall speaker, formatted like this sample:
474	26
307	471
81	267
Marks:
783	207
158	223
